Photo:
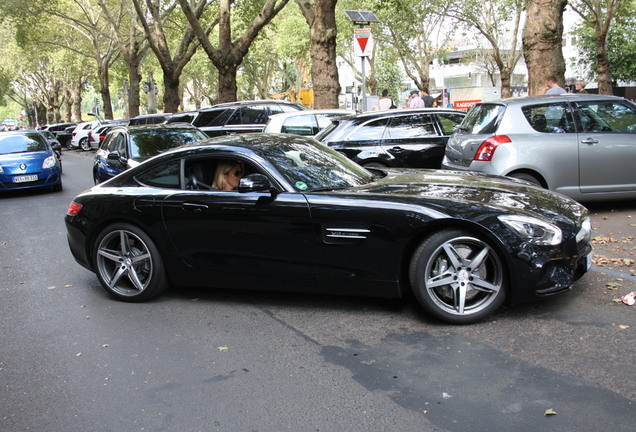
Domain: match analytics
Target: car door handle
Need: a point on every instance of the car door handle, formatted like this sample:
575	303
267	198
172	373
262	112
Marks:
590	141
194	207
397	149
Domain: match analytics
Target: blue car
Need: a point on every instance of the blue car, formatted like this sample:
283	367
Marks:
125	147
28	161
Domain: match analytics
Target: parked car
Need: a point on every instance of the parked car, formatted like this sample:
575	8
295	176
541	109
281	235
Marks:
80	135
148	119
96	136
64	136
583	146
57	128
55	146
125	147
306	218
393	138
28	161
237	117
306	123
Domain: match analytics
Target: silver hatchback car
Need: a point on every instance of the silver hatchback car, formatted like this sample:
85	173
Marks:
583	146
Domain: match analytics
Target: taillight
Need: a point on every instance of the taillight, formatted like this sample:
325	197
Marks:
74	133
487	149
73	209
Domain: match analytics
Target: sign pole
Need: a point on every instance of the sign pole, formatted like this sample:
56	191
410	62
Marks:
364	85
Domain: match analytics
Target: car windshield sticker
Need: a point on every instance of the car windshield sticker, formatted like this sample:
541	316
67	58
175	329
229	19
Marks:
301	185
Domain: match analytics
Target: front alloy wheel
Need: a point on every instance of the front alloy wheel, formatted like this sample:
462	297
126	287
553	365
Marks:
458	277
128	264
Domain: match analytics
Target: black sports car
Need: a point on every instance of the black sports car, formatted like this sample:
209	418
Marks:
305	218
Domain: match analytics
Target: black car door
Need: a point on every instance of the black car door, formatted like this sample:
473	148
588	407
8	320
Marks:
234	236
414	141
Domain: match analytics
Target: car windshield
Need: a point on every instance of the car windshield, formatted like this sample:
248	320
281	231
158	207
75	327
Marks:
147	143
21	143
310	166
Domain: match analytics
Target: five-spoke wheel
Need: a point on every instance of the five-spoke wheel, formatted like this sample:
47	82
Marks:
458	277
128	263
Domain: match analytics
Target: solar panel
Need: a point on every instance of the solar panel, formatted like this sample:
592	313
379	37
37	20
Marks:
361	16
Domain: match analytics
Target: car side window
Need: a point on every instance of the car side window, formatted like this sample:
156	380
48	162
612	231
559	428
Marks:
373	130
216	117
300	125
549	118
117	144
255	114
162	176
200	173
607	117
411	126
449	121
121	145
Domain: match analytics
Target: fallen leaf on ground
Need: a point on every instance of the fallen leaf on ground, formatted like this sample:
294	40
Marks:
222	348
549	412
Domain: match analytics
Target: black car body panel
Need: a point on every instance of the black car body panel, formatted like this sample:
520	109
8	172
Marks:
357	239
393	138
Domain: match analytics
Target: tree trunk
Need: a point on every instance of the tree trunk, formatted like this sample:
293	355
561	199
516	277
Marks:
324	71
542	43
134	78
76	92
227	83
505	74
171	100
603	68
104	90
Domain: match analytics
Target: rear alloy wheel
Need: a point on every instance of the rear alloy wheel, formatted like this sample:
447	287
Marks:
128	263
458	277
84	144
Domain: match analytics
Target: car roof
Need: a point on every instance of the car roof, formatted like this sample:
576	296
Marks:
397	112
568	97
160	126
317	111
253	102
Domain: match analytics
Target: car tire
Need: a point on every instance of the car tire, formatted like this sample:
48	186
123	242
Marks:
84	144
527	177
378	165
458	277
128	264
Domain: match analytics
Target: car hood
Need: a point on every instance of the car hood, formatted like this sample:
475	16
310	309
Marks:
470	189
13	160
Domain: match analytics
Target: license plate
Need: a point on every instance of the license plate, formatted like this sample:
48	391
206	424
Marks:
24	179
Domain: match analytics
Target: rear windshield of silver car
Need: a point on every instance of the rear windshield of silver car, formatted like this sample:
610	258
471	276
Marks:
482	119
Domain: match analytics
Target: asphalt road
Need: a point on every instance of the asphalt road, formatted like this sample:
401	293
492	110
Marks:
72	359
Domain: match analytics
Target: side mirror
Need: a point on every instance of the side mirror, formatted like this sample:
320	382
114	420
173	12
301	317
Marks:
254	183
114	156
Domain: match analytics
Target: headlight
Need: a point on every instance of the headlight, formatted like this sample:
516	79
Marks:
49	162
585	233
533	230
1	170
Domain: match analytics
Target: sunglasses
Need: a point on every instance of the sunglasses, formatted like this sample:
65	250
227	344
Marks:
236	173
